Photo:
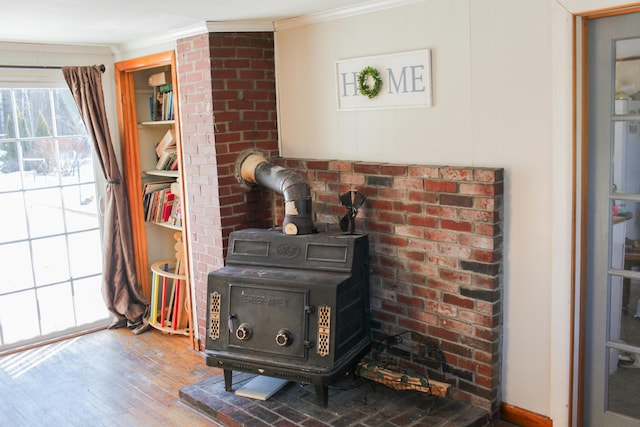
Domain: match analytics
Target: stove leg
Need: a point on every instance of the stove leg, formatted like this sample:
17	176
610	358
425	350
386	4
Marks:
228	377
322	394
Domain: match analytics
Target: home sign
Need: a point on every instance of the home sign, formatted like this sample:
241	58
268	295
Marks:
397	80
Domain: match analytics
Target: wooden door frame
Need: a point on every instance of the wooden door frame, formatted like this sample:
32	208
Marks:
131	155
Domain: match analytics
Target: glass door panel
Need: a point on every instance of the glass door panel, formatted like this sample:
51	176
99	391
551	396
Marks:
623	341
52	246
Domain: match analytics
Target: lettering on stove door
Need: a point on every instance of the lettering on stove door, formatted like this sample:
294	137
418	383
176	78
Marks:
267	300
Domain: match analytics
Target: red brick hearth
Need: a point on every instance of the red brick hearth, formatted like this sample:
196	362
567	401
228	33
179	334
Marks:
436	258
435	231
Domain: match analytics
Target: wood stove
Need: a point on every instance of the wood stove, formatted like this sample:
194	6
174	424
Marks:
291	307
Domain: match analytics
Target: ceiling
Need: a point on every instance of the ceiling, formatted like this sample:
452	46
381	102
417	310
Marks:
120	22
123	23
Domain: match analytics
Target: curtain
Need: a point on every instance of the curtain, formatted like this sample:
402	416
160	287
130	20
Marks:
120	289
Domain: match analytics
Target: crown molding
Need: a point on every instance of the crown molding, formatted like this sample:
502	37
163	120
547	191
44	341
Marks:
255	26
28	47
339	13
238	26
203	27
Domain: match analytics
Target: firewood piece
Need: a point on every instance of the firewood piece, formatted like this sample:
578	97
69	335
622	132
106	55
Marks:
400	380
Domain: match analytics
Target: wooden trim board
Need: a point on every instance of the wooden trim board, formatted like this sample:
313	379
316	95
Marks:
522	417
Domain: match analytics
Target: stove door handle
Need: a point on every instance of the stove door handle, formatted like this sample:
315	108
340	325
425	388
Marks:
244	332
231	319
284	338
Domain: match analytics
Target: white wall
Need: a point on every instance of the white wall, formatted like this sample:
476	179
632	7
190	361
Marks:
502	98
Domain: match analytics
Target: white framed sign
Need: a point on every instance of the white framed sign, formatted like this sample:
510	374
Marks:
405	78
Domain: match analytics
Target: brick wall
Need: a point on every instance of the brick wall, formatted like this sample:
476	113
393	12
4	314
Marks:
227	105
435	232
436	258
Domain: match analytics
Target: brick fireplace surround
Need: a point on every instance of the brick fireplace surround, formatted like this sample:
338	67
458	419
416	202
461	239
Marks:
435	231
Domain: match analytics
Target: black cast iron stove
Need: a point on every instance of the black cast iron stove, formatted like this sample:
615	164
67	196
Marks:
290	307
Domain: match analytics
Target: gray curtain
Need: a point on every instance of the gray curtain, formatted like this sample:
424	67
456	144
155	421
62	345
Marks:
120	289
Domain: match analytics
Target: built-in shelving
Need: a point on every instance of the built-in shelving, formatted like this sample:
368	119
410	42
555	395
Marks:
150	138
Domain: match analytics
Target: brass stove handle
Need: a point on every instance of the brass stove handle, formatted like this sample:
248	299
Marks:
284	338
244	331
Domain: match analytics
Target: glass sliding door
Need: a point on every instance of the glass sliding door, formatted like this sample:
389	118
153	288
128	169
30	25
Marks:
50	248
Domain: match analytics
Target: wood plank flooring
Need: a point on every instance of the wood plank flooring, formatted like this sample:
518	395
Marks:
106	378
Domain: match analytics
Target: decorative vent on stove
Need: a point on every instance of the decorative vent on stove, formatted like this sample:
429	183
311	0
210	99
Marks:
324	326
214	323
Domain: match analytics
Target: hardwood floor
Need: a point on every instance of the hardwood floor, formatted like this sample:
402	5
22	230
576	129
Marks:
107	378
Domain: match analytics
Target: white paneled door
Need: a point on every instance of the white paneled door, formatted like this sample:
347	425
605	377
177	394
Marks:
612	347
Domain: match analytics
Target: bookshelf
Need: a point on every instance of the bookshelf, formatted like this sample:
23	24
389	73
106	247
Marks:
151	151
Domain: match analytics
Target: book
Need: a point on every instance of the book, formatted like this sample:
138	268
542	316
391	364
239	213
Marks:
174	164
167	141
176	213
161	102
167	206
153	316
166	159
152	193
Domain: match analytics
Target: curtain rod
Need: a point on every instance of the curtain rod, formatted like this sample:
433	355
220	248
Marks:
43	67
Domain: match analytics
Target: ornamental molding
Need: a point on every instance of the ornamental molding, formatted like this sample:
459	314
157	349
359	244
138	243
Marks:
344	12
203	27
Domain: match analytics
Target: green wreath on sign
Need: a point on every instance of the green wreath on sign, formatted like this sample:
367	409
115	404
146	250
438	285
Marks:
363	82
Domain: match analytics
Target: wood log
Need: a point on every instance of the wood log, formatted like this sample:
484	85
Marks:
402	380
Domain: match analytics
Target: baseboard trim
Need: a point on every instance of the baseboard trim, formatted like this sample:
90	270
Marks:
522	417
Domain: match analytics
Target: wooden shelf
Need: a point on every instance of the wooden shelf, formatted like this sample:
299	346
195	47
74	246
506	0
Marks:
168	174
158	123
168	225
170	306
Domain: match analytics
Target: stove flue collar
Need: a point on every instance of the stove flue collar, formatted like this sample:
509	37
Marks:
256	170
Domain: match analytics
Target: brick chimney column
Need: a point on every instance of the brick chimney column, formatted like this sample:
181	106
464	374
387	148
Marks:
227	105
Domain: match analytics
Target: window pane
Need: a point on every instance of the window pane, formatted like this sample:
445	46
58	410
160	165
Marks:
20	275
39	163
622	377
9	166
44	212
13	217
68	120
80	207
85	254
89	303
34	112
625	248
6	115
50	260
56	308
19	317
626	155
76	163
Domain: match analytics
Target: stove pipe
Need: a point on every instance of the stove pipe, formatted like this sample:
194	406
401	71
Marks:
256	170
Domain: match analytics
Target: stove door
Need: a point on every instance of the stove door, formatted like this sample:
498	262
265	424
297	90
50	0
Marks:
268	319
